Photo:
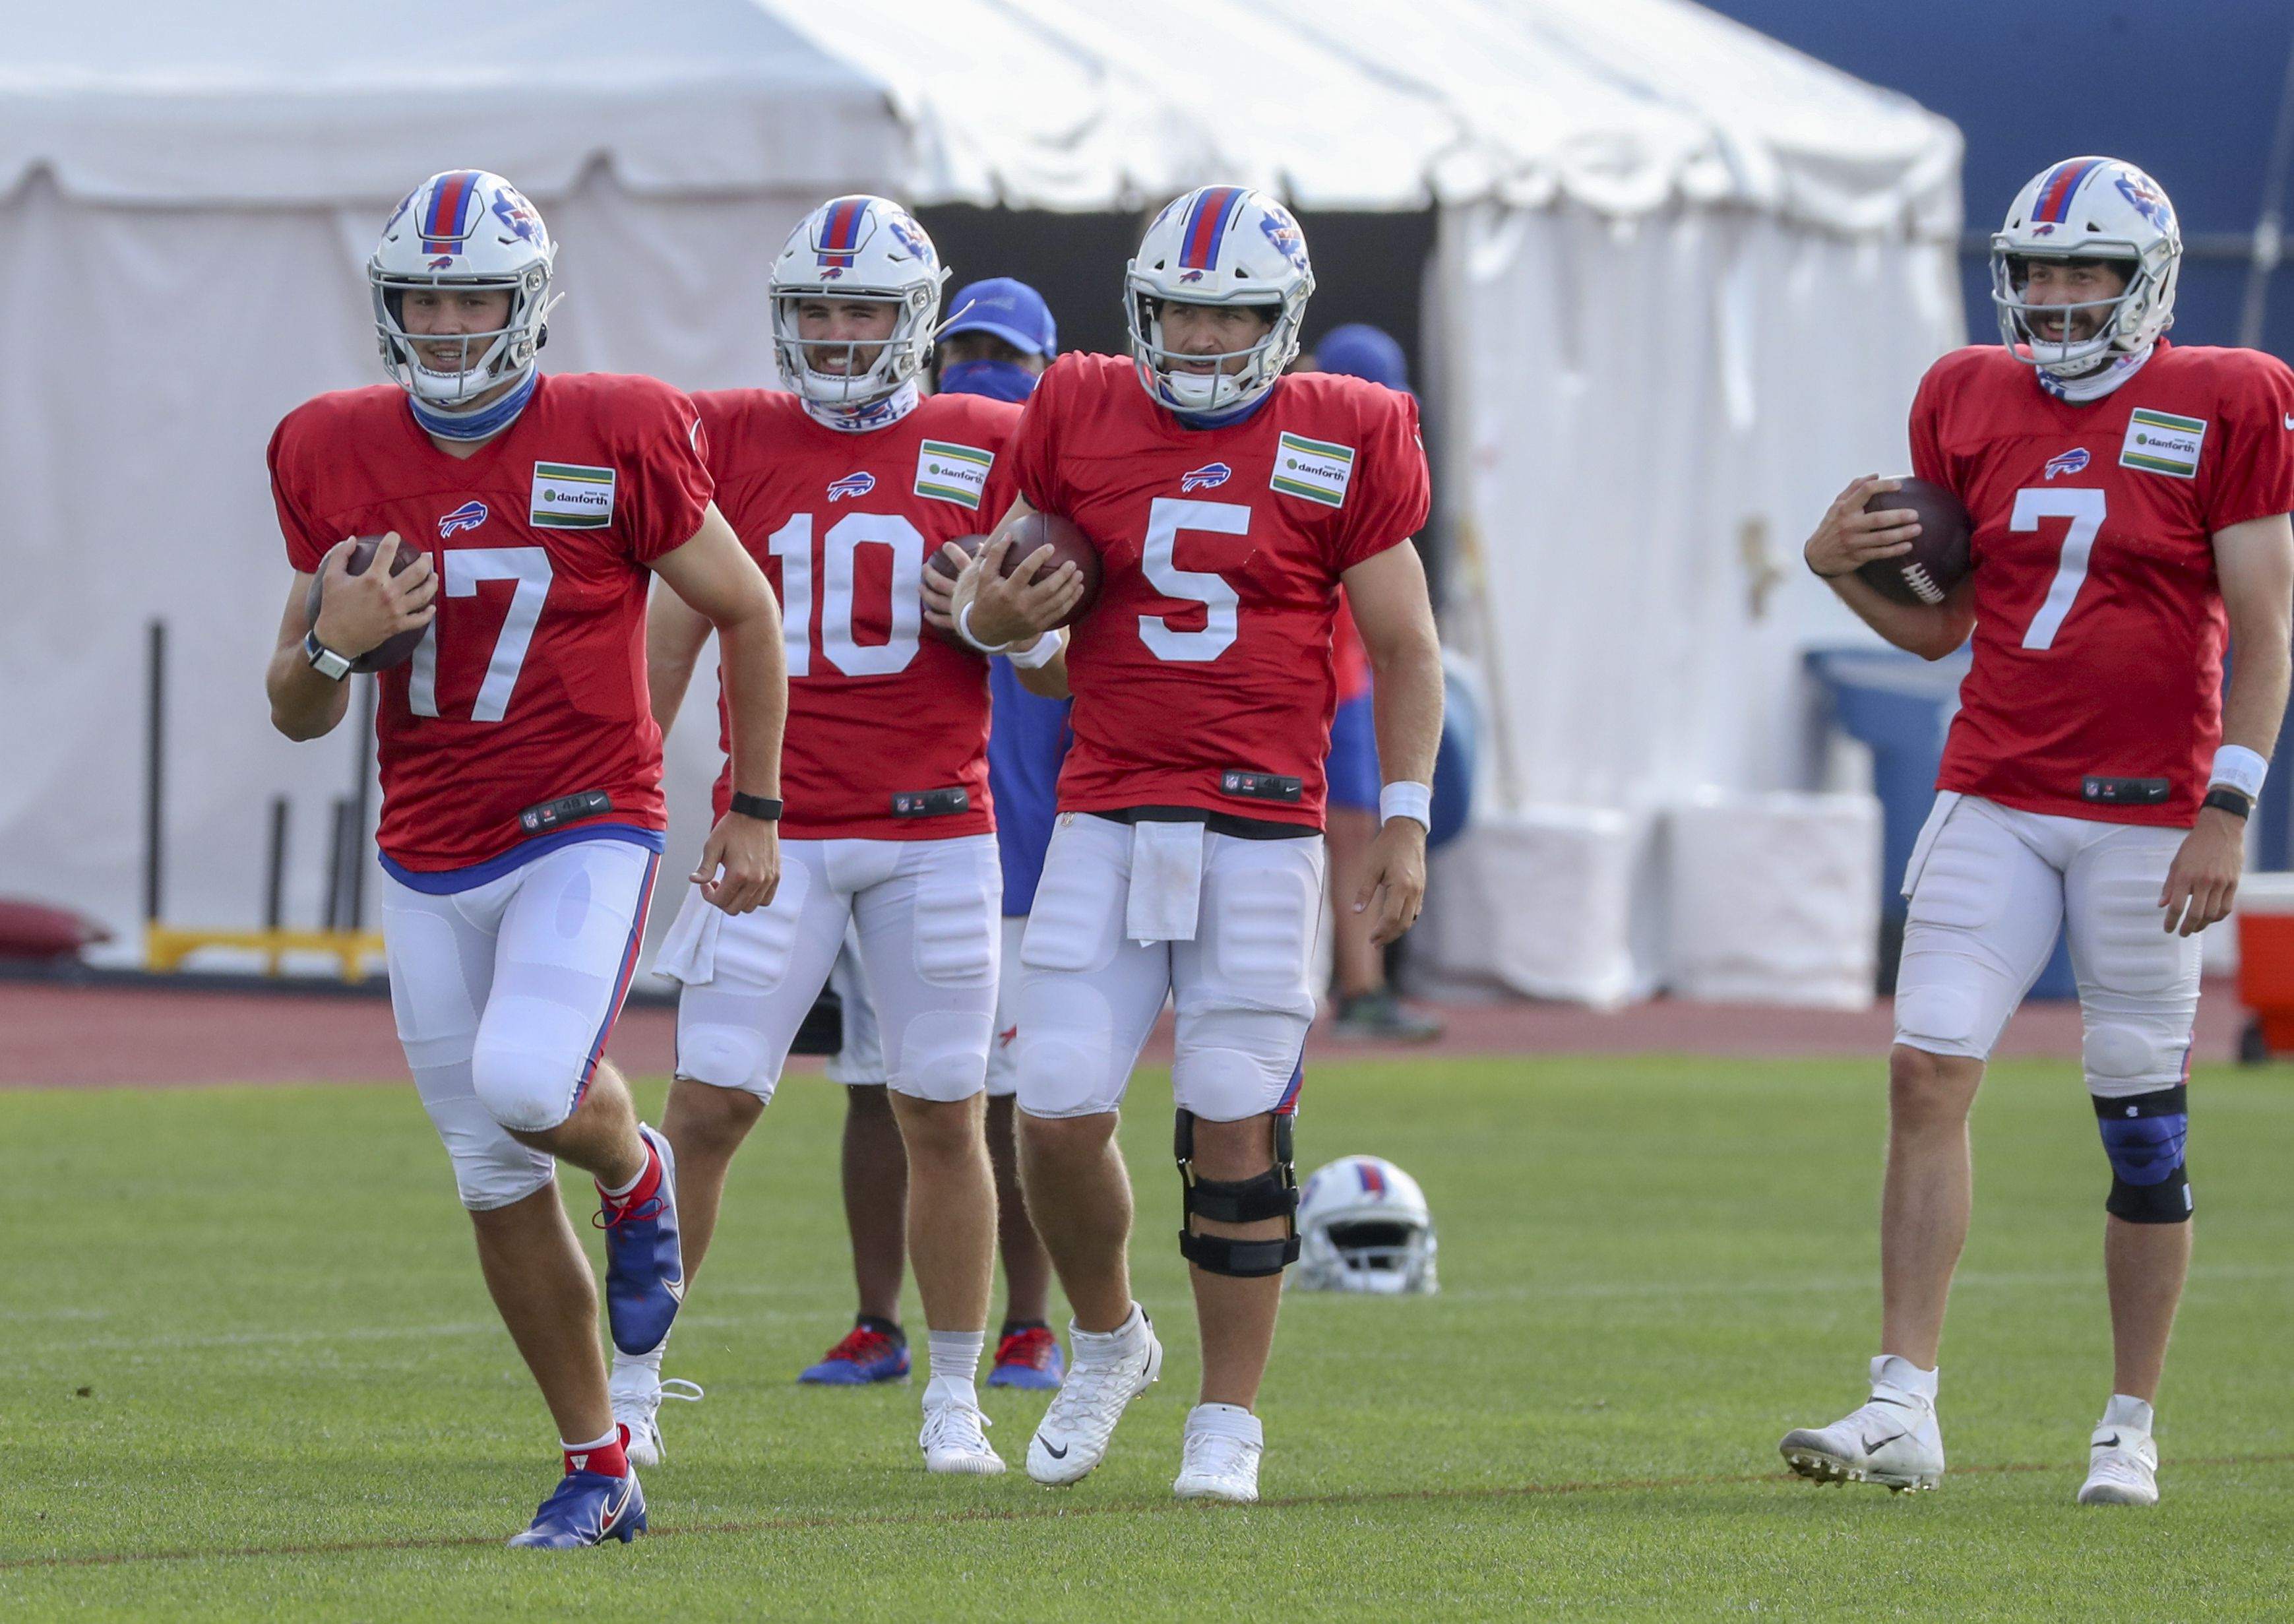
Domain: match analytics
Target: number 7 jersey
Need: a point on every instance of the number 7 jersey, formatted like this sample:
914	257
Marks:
531	685
2096	687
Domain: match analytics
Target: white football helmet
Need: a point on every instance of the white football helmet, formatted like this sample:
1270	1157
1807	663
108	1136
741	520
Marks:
1363	1225
1217	245
867	249
2088	209
463	229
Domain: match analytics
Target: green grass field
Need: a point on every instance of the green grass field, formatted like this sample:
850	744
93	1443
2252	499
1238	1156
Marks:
251	1372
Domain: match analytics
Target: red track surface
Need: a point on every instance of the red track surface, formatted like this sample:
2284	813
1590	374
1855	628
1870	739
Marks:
93	1037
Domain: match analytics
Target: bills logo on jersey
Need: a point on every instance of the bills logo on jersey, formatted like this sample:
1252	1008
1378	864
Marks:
469	516
2069	461
1210	477
851	485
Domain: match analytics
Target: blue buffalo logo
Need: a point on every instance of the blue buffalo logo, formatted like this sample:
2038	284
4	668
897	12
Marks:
1209	477
1282	232
2066	463
910	236
2149	201
469	516
851	485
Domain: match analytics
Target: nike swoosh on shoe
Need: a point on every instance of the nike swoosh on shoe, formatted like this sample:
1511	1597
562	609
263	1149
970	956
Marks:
1056	1451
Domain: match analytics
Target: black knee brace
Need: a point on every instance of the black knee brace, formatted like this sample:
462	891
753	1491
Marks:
2143	1134
1272	1194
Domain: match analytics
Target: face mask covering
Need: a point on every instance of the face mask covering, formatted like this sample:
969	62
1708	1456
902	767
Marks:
997	379
2098	383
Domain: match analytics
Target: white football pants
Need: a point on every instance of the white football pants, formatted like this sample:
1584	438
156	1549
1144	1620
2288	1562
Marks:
505	994
1089	995
925	914
1990	887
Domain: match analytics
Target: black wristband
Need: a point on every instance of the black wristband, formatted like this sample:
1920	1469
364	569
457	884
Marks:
765	808
2222	797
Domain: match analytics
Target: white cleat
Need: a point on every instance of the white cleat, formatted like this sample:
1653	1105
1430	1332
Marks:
1220	1461
2123	1459
637	1389
1075	1430
954	1439
1892	1440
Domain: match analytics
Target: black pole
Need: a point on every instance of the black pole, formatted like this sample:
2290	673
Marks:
336	841
275	864
355	856
155	767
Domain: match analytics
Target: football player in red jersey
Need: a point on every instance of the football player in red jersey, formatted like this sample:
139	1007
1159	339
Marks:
2129	503
1228	502
841	487
522	812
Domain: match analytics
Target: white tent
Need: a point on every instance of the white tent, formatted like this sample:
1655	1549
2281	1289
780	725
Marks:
1686	282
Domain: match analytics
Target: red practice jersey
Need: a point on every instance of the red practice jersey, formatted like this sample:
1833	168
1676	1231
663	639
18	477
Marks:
881	711
2096	691
532	683
1206	664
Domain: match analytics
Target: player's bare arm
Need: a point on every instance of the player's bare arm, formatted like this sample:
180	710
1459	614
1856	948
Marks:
740	863
2255	562
1388	593
1847	538
676	632
357	613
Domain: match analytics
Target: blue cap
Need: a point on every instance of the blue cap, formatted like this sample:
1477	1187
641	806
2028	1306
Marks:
1360	350
1011	310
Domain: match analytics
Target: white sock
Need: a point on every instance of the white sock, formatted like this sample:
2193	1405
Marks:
1890	1370
1098	1346
1225	1420
2124	1411
955	1357
614	1436
651	1361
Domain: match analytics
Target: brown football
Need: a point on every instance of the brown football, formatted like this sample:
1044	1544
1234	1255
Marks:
1069	545
938	564
391	651
1938	560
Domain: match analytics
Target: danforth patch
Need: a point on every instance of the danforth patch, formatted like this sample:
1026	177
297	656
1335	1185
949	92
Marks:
2160	443
953	473
567	496
1316	469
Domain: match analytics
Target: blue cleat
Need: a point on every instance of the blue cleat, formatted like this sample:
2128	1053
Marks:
1028	1359
866	1355
586	1508
645	1266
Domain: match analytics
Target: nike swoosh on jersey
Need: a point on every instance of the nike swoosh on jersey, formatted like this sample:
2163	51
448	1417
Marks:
2289	420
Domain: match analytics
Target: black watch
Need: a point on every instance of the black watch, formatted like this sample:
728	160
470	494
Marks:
765	808
2222	797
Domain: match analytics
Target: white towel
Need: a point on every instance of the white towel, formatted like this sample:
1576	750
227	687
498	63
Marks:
1167	882
688	953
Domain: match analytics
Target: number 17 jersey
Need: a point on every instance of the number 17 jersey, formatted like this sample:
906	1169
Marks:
2099	619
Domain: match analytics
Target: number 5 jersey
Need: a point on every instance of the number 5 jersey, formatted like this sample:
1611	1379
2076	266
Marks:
2097	688
531	685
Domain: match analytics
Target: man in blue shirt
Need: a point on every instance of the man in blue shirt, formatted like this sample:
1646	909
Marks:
997	343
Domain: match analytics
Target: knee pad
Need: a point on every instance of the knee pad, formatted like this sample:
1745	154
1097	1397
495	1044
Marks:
1272	1194
2142	1134
527	1090
491	1169
943	1055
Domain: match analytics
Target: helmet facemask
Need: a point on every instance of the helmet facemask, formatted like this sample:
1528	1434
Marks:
488	358
2119	331
1218	390
900	355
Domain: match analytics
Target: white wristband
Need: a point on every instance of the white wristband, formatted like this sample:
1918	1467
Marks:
1404	799
1040	654
2241	769
963	630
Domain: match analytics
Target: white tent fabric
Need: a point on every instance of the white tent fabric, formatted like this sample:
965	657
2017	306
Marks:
1686	279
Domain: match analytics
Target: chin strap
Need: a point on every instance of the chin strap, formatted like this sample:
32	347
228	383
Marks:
875	414
2095	385
483	424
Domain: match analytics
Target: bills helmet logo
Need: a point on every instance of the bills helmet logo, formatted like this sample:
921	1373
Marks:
851	485
2149	201
910	236
1190	276
2066	463
1282	232
517	215
444	262
2043	231
1209	477
469	516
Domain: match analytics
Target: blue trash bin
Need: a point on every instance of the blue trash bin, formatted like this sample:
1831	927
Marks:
1901	706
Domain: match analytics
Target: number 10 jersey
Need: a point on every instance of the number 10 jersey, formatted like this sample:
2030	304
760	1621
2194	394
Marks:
881	711
2099	619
